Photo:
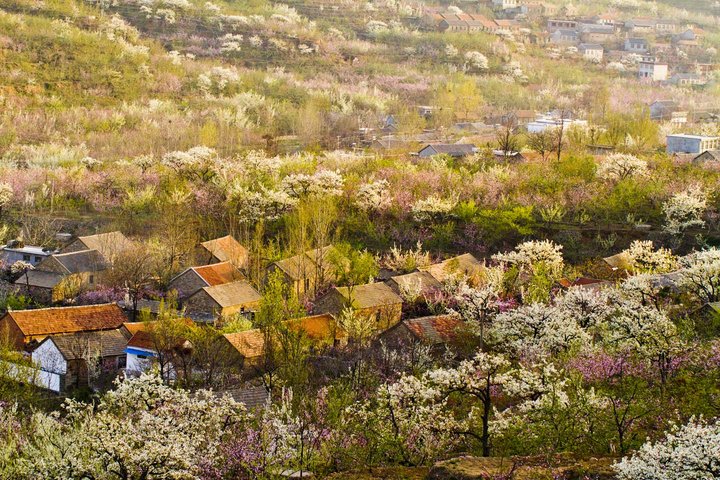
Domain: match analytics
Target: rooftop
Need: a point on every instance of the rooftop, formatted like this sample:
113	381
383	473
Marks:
59	320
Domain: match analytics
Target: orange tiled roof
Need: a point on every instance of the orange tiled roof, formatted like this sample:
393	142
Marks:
218	273
86	318
250	343
437	329
319	327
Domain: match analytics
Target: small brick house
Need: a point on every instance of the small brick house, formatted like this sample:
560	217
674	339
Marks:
73	356
59	274
435	331
108	244
307	272
195	278
376	301
222	301
26	328
422	281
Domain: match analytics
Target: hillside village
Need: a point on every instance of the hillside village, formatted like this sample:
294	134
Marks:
393	239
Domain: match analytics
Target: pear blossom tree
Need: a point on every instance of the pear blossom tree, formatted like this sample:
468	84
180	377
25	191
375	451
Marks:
619	166
700	274
688	452
684	210
644	258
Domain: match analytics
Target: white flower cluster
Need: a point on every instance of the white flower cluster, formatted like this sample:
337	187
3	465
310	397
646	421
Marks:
431	208
529	255
691	452
321	183
619	166
685	209
642	257
373	196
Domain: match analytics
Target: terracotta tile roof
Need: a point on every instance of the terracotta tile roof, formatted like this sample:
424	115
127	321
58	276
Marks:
234	293
319	327
226	249
141	339
50	321
218	273
72	346
434	329
465	264
134	327
370	295
250	343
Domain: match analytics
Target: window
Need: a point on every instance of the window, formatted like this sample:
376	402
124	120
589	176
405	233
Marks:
38	259
142	357
26	257
92	279
122	361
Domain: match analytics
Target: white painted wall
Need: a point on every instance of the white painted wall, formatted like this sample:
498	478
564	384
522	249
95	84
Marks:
48	358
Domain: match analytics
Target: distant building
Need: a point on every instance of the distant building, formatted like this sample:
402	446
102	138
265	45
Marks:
505	4
565	37
545	122
651	70
591	51
561	24
14	252
636	45
697	144
592	33
687	79
708	156
662	109
451	149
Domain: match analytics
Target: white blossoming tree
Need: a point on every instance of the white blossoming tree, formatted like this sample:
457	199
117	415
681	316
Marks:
691	452
143	429
700	274
644	258
373	196
684	210
619	166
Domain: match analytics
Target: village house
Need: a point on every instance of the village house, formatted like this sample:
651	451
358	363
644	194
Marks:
308	272
665	26
651	70
508	156
81	358
420	282
195	278
636	45
141	348
640	25
584	283
63	275
591	51
16	251
223	249
682	143
108	244
687	79
322	331
565	37
434	331
662	109
592	33
554	24
375	301
505	4
465	265
450	149
223	301
319	331
24	329
708	156
249	346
